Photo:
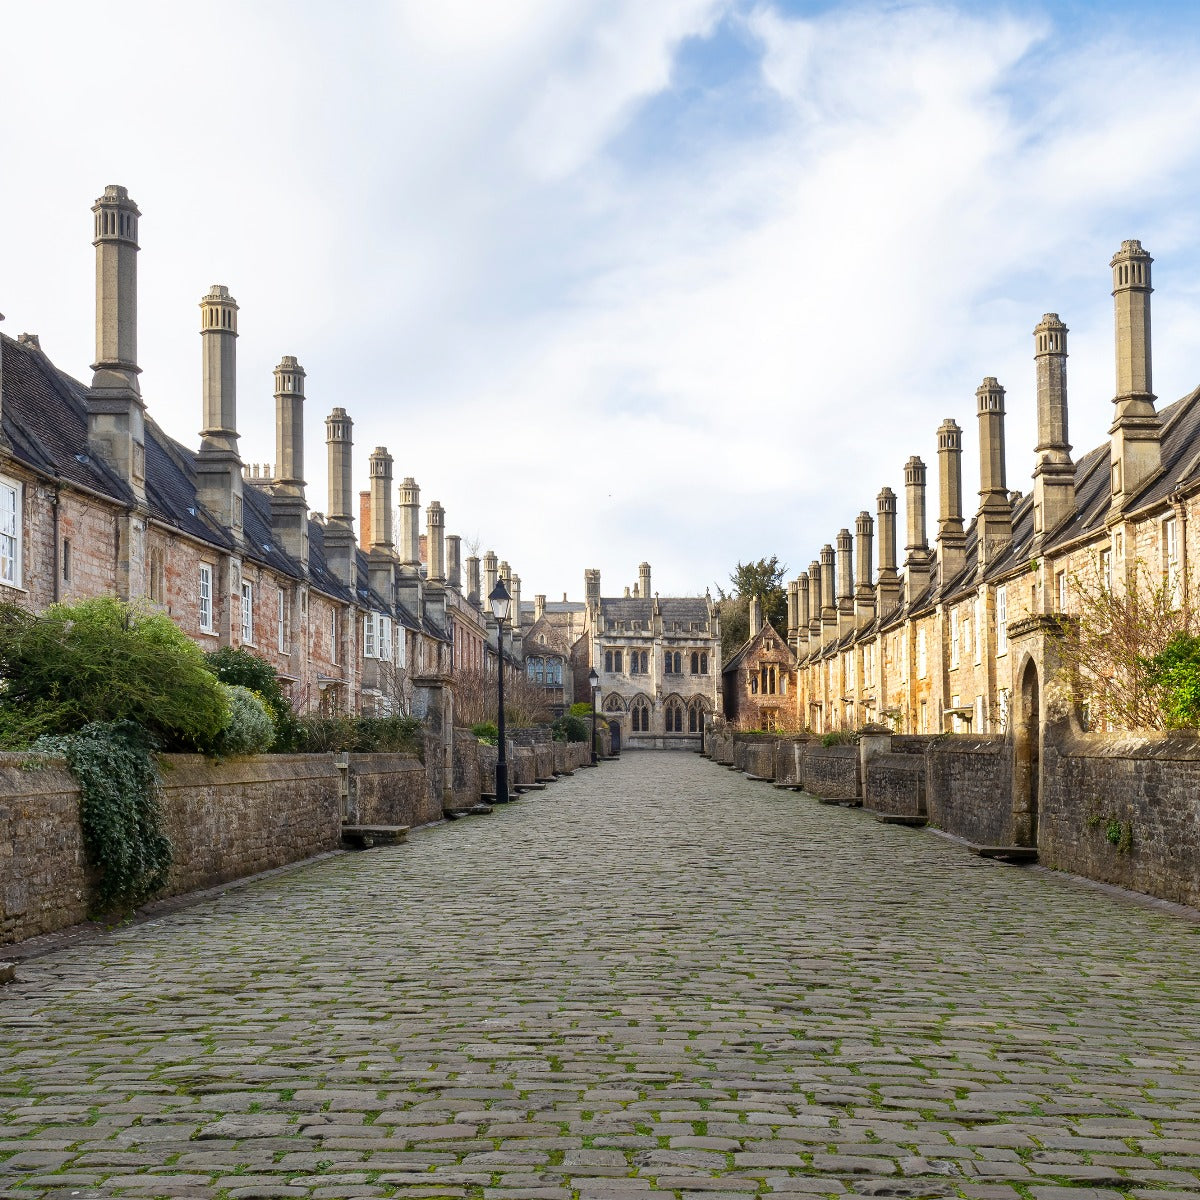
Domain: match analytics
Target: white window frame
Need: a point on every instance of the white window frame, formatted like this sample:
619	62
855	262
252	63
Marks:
281	622
370	629
1170	545
205	586
1001	621
955	635
1060	578
247	613
335	641
11	536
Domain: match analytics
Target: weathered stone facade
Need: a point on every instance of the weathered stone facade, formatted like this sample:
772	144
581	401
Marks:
759	682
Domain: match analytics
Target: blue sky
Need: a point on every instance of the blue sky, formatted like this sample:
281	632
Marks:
684	281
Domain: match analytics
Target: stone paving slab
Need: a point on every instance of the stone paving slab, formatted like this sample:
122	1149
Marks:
658	979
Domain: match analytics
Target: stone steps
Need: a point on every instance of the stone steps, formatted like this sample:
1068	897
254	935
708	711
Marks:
1012	854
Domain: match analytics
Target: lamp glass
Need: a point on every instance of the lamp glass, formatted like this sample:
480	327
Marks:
500	600
593	679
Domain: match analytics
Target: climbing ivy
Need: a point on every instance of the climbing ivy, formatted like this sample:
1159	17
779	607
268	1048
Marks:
120	812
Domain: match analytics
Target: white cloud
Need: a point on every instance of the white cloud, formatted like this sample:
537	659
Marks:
716	345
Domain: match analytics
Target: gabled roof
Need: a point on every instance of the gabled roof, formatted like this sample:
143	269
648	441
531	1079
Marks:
752	643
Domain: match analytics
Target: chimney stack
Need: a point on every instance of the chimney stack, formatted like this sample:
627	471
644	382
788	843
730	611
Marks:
845	581
454	561
951	538
644	581
916	550
756	616
1136	431
116	417
435	517
490	575
793	610
474	588
889	576
539	608
410	524
800	643
829	611
289	507
380	469
864	587
816	601
591	586
218	465
993	525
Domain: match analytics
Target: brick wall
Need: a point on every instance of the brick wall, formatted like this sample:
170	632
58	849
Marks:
969	788
1124	810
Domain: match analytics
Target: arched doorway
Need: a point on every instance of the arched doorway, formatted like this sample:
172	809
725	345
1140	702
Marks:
1027	760
614	728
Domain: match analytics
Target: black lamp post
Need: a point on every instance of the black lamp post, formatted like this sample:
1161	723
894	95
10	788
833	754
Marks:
594	684
499	599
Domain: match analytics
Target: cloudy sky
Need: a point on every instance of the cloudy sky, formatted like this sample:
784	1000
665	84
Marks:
676	280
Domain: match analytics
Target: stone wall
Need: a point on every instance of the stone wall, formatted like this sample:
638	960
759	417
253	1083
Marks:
969	788
831	772
388	789
1124	810
225	821
894	784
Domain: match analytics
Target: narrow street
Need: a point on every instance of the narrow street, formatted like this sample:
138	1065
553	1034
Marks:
654	978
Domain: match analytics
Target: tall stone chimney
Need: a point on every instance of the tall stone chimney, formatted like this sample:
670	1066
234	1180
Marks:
380	468
490	575
952	538
644	581
816	602
793	609
289	507
539	608
803	615
410	524
845	581
591	587
888	588
339	526
1053	472
916	549
829	611
474	587
1136	431
218	465
381	558
864	587
364	521
435	517
454	561
756	616
993	525
116	417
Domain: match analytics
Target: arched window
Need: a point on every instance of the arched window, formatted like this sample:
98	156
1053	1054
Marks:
554	672
695	662
696	716
640	713
704	662
614	704
608	662
674	716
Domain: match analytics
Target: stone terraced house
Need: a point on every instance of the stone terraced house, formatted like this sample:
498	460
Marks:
95	499
961	636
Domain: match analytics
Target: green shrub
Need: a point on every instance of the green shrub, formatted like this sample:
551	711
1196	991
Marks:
839	737
486	732
241	667
571	728
104	661
361	735
250	729
119	810
580	709
1176	670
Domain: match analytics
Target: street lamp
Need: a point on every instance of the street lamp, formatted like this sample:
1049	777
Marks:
594	684
500	600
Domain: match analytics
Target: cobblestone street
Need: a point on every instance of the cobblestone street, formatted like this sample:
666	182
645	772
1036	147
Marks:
654	978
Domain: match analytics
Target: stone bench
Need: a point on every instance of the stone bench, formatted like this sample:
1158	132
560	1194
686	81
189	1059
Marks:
363	837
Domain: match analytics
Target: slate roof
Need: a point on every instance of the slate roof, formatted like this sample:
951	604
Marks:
744	649
641	611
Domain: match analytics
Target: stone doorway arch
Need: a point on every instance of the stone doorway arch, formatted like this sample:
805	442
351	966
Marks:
614	728
1027	757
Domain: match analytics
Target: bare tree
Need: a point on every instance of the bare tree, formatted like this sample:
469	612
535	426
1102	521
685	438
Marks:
475	698
1110	638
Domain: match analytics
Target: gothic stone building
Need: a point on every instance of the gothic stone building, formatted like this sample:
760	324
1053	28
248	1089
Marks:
658	660
964	638
759	680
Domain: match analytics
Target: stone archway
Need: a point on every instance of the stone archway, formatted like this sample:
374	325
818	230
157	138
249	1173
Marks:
614	728
1027	757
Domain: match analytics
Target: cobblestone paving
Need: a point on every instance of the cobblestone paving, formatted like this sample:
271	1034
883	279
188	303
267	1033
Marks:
657	978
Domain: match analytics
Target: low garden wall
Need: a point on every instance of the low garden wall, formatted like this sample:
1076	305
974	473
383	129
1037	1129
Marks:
1124	810
894	784
969	788
831	772
388	789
